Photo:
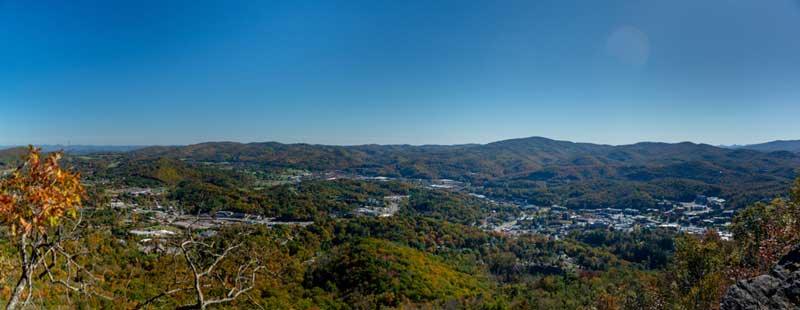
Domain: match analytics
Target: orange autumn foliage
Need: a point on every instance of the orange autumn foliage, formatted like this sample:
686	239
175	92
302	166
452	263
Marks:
38	194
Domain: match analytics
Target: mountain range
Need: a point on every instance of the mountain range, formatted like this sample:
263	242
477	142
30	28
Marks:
507	159
81	149
540	170
772	146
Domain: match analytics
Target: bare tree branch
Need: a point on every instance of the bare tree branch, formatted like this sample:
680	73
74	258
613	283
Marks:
238	292
243	280
156	297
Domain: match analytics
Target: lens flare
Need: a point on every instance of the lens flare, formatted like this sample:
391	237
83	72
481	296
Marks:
629	45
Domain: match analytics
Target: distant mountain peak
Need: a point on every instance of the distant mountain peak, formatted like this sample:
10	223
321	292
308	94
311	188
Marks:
772	146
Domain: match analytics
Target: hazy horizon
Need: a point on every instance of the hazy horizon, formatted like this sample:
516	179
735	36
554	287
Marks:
411	144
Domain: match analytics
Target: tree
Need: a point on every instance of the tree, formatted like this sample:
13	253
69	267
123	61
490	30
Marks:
35	201
766	232
242	282
209	277
700	263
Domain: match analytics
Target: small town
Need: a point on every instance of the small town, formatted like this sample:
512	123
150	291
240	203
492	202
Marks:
691	217
695	217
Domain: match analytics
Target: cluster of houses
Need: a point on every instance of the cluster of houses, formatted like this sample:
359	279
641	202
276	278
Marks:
691	217
380	208
168	220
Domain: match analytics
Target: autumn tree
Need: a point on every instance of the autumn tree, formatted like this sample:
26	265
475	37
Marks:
699	269
766	232
36	201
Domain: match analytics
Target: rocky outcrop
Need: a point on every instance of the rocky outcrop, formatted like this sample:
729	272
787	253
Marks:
779	289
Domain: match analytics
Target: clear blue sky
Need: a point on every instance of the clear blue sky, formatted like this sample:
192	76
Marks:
179	72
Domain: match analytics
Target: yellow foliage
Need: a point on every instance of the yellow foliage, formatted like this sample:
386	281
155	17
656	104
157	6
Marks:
38	194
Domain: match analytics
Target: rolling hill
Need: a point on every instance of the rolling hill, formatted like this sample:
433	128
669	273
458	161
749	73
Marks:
539	169
10	158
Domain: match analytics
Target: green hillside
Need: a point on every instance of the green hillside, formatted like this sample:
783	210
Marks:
375	271
541	170
10	158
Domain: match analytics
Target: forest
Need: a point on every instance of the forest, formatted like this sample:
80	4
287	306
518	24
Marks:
80	253
545	171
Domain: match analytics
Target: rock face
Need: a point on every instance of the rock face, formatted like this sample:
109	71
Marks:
780	289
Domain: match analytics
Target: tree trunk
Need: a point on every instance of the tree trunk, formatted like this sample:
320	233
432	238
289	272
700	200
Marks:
24	278
15	296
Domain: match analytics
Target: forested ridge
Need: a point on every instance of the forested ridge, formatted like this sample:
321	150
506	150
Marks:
431	253
539	169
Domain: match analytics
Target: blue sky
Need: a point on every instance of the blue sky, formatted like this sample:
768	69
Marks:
417	72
